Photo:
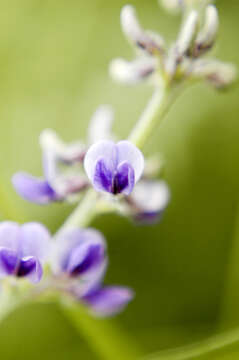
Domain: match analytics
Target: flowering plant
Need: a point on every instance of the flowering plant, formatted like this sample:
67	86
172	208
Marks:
103	174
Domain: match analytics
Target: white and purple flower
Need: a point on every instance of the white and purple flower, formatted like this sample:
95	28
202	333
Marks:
81	260
114	168
23	250
64	177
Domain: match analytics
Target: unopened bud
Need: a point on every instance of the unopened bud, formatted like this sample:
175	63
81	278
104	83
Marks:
218	73
51	143
130	24
132	72
207	35
172	5
187	33
147	41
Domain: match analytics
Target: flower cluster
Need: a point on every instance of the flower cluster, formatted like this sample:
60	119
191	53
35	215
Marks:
73	262
181	61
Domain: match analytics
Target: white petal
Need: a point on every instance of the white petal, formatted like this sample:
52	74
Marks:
101	124
130	153
151	195
130	24
102	149
132	72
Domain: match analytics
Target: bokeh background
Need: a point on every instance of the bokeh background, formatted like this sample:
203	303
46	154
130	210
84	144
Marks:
54	57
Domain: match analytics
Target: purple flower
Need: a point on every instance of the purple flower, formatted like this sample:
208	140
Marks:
81	257
23	250
59	180
62	163
148	201
108	300
114	168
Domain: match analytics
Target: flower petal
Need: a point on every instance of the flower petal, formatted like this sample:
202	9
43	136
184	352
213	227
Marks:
8	261
51	143
10	235
101	124
34	240
109	300
81	251
84	258
33	189
124	179
132	72
150	197
101	150
130	153
31	268
103	178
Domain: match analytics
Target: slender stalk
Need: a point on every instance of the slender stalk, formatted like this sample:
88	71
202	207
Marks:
83	213
151	116
195	351
105	339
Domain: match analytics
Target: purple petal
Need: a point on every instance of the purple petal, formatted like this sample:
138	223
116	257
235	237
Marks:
102	150
33	189
31	268
124	179
103	177
34	240
9	235
8	261
108	300
132	155
93	256
83	252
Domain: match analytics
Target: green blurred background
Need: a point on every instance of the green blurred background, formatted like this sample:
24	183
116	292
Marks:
54	57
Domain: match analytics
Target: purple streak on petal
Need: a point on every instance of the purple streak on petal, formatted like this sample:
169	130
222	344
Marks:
8	261
130	153
9	235
101	150
124	179
102	177
31	268
94	257
33	189
108	300
34	240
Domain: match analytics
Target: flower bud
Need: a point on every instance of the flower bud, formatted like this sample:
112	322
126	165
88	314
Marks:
172	5
147	41
187	33
207	35
218	73
132	72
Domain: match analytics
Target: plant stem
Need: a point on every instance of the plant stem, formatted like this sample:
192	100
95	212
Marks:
152	116
105	339
198	350
83	213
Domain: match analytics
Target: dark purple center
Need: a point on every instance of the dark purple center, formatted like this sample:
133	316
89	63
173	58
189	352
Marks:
93	257
115	181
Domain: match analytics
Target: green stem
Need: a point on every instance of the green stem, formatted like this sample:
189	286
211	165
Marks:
83	213
152	116
210	345
105	339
